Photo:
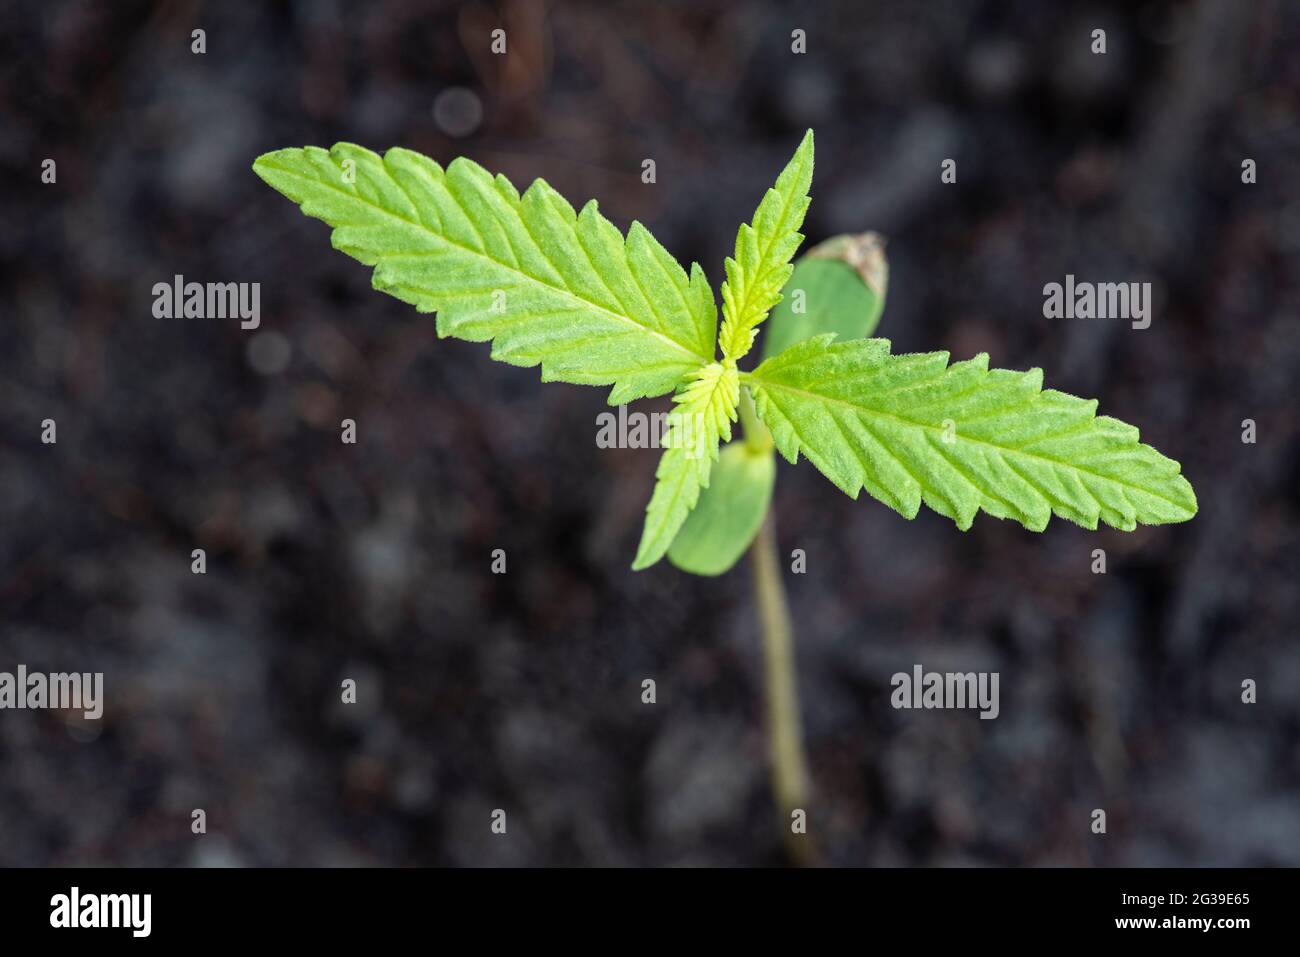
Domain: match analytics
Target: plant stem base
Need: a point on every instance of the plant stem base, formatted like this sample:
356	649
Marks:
784	728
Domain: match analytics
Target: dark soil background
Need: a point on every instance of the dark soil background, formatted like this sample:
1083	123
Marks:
522	691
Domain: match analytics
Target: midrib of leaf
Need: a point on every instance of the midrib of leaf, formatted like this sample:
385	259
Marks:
787	206
748	377
563	290
765	251
678	487
686	479
786	209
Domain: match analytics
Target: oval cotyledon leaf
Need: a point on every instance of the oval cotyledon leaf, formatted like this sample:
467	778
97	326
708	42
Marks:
729	512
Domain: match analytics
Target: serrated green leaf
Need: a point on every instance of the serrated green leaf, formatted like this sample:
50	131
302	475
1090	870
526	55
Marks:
837	286
729	512
549	287
961	438
761	266
699	421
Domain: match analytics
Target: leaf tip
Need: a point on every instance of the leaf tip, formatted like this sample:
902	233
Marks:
265	164
644	560
806	144
1187	504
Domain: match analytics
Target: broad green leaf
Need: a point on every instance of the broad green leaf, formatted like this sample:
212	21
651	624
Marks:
700	419
764	249
546	285
729	512
838	286
961	438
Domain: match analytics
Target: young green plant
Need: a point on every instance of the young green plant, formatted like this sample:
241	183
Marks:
567	291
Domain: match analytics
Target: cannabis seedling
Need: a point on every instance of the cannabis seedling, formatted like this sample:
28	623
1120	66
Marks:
567	291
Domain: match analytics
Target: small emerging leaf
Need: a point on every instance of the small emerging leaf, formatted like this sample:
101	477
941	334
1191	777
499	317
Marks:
961	438
547	285
838	286
764	249
700	420
729	512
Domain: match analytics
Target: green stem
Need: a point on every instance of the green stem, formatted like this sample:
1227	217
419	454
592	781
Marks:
757	436
789	767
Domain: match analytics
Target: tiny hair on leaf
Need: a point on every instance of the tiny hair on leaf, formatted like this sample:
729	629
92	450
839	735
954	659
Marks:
568	292
547	286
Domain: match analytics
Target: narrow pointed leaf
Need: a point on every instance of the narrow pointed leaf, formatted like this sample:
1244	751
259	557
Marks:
764	248
700	420
546	285
961	438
